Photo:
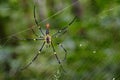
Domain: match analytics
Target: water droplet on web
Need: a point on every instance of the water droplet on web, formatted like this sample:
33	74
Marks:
80	45
94	51
113	79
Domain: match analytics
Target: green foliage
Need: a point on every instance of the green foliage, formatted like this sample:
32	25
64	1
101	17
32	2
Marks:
92	41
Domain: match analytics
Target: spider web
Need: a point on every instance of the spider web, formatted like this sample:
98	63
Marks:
20	32
109	60
81	45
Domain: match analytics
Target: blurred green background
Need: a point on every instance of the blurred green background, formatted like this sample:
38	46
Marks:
92	41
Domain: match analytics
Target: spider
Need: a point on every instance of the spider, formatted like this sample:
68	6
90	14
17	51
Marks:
47	40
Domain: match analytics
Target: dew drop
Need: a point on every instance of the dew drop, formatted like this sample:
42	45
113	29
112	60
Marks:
94	51
80	45
113	79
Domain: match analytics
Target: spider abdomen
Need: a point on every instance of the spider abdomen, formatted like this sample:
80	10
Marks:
48	39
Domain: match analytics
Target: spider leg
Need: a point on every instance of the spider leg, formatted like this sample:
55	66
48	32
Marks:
57	57
37	22
34	58
30	39
65	28
64	50
36	34
63	32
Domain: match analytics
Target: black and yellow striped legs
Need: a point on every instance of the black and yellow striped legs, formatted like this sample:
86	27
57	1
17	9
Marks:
64	50
37	22
34	58
57	57
64	30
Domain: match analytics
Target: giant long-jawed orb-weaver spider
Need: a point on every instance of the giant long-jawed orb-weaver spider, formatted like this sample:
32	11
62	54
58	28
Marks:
47	39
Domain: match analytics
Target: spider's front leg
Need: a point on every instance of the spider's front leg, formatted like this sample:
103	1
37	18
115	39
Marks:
37	22
36	34
64	30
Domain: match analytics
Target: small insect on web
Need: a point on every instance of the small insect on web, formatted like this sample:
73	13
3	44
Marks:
47	40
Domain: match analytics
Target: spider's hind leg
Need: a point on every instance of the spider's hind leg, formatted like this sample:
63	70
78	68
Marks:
57	57
64	51
34	58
